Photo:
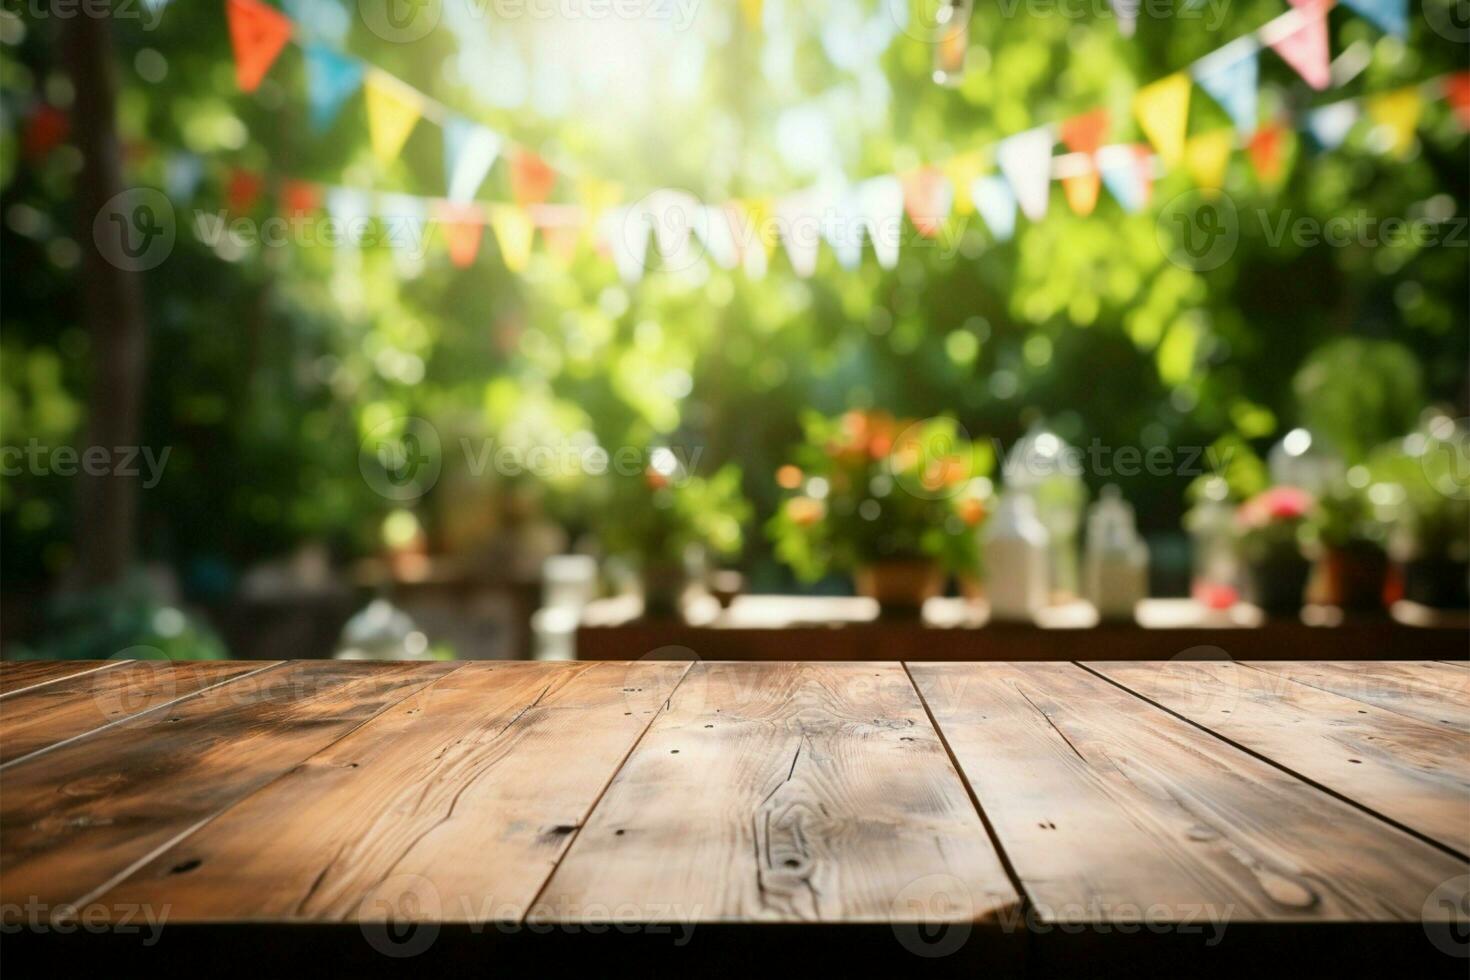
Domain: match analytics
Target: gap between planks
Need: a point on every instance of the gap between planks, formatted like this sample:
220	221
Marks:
71	675
1335	794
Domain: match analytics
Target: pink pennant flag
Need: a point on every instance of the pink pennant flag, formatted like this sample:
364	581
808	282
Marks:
1305	48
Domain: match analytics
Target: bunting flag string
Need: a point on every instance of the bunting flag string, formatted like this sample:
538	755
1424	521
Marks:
839	215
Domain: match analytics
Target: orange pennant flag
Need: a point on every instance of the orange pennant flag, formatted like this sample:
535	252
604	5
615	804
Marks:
927	197
243	190
531	178
1084	133
1457	91
464	225
300	198
257	34
1265	149
1082	192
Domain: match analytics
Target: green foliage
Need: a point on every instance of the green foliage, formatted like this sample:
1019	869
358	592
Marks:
1358	393
126	622
658	515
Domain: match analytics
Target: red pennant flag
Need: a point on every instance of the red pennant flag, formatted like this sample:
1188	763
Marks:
45	130
1264	150
1457	91
243	190
464	227
531	178
1084	133
300	198
927	198
257	33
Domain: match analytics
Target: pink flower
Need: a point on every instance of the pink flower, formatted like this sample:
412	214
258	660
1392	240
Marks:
1275	505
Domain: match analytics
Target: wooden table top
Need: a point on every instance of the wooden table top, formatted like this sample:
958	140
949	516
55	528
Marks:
1015	816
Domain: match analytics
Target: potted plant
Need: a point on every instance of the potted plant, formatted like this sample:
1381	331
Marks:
1350	547
665	520
897	503
1420	483
1270	526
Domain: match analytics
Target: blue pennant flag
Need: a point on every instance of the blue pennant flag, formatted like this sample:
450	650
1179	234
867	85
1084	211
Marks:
1232	83
469	153
1330	124
331	79
1391	15
1123	174
996	204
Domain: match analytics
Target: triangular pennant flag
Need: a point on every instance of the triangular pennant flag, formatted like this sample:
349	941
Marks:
996	204
300	198
406	225
927	197
842	227
349	210
754	235
597	195
1391	15
625	230
561	228
182	173
1330	124
1207	156
1230	76
1081	192
674	215
1085	133
1265	152
469	153
257	35
242	192
514	232
880	202
962	171
1305	48
531	178
331	79
392	110
1025	160
1396	114
1127	171
1127	13
1457	91
716	231
464	226
1162	109
799	219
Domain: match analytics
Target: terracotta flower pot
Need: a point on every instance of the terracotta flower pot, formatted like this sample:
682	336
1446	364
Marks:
1353	577
900	584
1277	584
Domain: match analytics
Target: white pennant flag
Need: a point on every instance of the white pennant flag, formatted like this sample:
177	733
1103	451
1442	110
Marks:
406	226
350	209
1330	124
799	220
842	227
626	230
880	200
715	230
996	204
675	217
1025	160
469	153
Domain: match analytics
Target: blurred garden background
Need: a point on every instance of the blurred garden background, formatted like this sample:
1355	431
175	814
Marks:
262	366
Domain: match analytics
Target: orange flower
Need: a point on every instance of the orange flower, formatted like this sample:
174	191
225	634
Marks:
805	511
788	477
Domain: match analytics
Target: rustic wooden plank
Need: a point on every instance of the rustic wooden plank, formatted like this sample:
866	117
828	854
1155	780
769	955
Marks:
454	805
1408	771
21	675
1110	809
784	793
1426	691
76	817
40	717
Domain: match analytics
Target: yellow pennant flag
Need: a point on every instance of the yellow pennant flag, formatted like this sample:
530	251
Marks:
513	230
758	226
1162	109
597	195
1397	114
392	111
1206	157
752	11
962	171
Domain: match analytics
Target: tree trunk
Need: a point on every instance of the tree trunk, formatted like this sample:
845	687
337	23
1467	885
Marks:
112	312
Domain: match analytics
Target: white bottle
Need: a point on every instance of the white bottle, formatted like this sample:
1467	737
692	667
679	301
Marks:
1015	559
1117	558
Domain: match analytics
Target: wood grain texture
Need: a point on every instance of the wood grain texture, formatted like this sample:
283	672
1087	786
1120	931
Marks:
18	675
1426	691
792	792
1408	771
1109	809
453	805
78	816
42	716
